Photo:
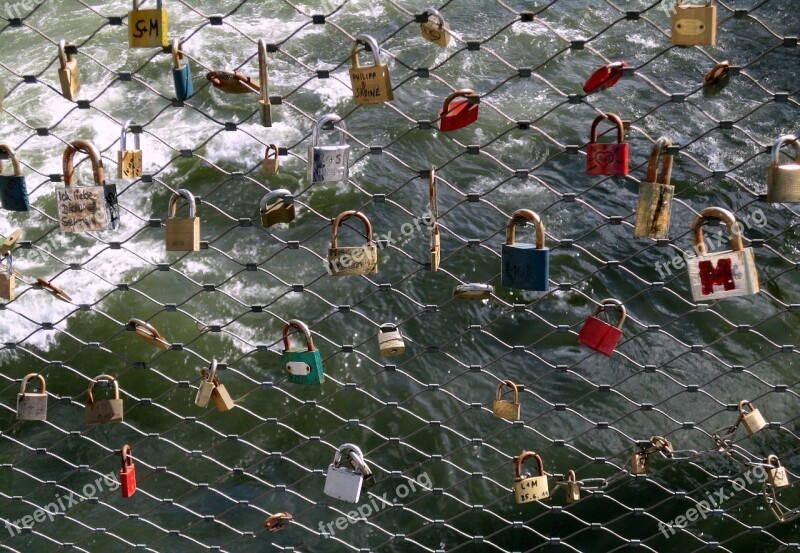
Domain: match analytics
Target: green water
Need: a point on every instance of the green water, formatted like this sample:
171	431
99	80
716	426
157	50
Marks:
270	453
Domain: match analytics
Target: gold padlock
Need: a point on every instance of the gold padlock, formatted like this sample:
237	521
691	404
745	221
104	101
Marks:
751	418
640	461
183	235
778	477
105	410
506	409
147	28
7	242
264	107
435	29
271	161
277	207
352	260
68	73
149	334
8	281
573	488
390	341
222	399
371	84
694	25
783	181
530	488
435	245
32	406
129	162
206	387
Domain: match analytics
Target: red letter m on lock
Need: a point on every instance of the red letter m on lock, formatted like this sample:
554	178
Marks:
711	276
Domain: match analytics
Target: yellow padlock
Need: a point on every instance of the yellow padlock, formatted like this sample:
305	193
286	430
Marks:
371	84
530	488
751	417
147	28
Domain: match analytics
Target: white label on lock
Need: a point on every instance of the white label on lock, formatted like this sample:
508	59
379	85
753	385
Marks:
298	368
690	26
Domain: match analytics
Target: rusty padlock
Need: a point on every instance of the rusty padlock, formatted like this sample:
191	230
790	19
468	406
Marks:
654	207
105	410
457	114
271	162
502	408
599	335
352	260
32	406
607	159
530	488
751	417
127	474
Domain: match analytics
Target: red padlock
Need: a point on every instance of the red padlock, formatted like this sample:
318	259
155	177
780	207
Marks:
599	335
458	114
607	159
127	474
605	77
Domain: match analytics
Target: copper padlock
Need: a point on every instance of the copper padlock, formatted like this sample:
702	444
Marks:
751	418
573	488
778	477
271	160
127	474
505	409
104	410
277	207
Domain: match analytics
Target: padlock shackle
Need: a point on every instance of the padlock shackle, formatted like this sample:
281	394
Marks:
354	453
387	327
614	118
89	149
302	327
735	238
186	195
125	452
233	82
461	92
210	375
717	73
271	148
28	377
63	57
511	385
526	455
272	196
136	4
571	478
787	139
14	160
263	75
611	303
774	461
528	215
661	444
342	217
103	377
123	137
745	403
431	12
177	55
370	43
328	118
659	149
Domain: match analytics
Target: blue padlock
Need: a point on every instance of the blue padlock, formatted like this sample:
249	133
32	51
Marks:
304	366
525	266
13	192
181	73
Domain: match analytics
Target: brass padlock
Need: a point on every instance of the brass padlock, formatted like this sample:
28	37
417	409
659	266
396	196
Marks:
7	242
435	245
352	260
147	28
129	162
640	461
222	399
505	409
206	388
434	28
655	194
264	107
8	281
233	82
573	488
68	73
530	488
777	475
783	181
277	207
751	418
390	342
149	334
371	84
32	406
85	208
105	410
183	234
271	161
694	25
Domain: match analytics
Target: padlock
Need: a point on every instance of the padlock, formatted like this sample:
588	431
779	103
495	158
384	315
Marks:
68	73
505	409
233	82
573	488
530	488
751	417
104	410
127	474
129	162
473	291
328	163
458	114
371	84
277	207
343	482
717	79
7	242
8	281
13	190
434	28
599	335
655	195
390	342
303	365
222	399
264	106
435	244
206	388
525	266
605	77
783	181
694	25
640	461
183	234
777	475
723	274
607	159
181	73
32	406
147	28
278	521
149	334
85	208
352	260
663	445
54	290
269	166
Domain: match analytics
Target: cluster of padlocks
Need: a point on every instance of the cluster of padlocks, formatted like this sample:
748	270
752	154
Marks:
523	265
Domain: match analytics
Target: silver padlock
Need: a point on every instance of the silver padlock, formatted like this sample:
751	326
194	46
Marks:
783	181
207	378
390	342
32	406
777	475
473	291
343	482
751	417
328	163
264	107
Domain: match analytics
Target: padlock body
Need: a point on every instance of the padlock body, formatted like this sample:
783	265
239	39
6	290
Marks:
530	489
694	25
436	248
278	212
371	84
391	343
573	492
525	266
31	407
104	411
87	208
14	193
8	286
182	78
640	464
129	164
753	421
304	367
269	166
599	336
432	32
505	409
328	163
460	113
778	477
653	210
265	113
183	234
783	184
70	80
353	260
127	480
222	399
204	392
147	28
343	483
607	159
723	275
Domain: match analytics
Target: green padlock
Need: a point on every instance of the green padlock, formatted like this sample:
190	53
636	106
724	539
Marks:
303	366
